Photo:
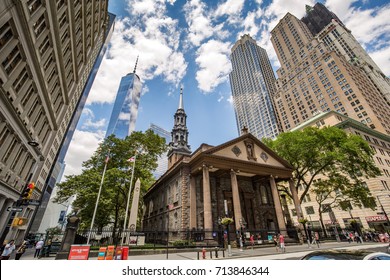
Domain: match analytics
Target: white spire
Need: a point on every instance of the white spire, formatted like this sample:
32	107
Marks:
181	99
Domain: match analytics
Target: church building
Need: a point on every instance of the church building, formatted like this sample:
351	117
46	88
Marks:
237	179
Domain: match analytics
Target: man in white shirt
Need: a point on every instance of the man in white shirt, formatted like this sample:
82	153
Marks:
8	249
38	248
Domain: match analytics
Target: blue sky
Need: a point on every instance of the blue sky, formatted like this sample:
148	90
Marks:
187	44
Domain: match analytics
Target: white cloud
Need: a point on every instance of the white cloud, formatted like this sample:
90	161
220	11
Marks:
279	8
200	27
81	148
382	58
154	37
340	8
250	25
89	123
376	24
230	99
232	8
214	64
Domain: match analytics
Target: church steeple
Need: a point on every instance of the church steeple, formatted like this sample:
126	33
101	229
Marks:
179	144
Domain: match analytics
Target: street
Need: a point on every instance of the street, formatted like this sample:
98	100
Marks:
293	252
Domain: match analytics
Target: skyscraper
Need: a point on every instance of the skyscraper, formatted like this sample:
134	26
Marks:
162	160
314	78
337	37
47	53
252	82
318	17
125	110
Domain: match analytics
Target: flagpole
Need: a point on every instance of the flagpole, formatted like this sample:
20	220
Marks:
128	197
97	200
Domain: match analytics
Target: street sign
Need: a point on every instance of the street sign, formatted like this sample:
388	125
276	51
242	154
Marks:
33	202
14	209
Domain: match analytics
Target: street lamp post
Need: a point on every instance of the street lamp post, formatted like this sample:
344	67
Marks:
227	228
221	242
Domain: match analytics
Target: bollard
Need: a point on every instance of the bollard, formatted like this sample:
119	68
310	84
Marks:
203	253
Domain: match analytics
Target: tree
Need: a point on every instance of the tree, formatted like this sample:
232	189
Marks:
330	163
112	203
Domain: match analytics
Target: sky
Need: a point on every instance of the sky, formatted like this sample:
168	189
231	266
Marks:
188	44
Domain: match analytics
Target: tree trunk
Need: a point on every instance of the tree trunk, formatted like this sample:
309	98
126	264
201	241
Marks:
322	222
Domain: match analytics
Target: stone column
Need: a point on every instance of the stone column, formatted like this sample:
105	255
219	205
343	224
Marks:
207	213
236	199
278	207
193	223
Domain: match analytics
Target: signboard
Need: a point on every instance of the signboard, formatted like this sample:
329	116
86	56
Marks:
102	253
79	252
110	252
14	209
33	202
379	218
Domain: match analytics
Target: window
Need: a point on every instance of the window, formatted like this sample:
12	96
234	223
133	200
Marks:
309	210
385	185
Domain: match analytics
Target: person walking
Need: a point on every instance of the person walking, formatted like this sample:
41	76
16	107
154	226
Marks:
281	243
317	239
8	249
252	240
20	251
357	237
275	240
38	248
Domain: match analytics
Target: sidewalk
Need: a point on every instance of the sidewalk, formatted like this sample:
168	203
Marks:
265	253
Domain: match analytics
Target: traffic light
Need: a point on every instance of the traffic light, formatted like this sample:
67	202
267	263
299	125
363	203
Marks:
19	221
15	222
28	190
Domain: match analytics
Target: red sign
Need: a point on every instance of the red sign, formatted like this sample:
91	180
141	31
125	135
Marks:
79	252
379	218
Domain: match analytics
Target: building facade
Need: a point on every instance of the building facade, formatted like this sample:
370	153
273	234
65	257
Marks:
125	111
378	186
236	179
47	52
315	78
328	28
252	82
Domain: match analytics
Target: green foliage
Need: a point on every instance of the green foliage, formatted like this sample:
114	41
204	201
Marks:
302	221
182	243
113	199
226	221
328	162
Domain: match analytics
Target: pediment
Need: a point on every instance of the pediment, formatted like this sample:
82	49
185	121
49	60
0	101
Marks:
249	149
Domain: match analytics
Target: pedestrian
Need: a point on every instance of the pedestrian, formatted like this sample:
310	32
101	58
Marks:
357	237
8	249
275	240
252	240
281	243
38	248
21	249
351	237
317	239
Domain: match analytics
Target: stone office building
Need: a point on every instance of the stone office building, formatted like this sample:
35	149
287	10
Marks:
237	179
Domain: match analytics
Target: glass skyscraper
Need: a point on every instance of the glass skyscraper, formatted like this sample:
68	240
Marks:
162	160
125	111
252	81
